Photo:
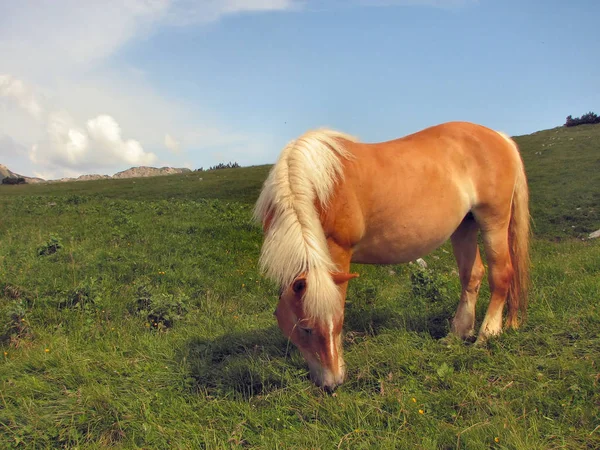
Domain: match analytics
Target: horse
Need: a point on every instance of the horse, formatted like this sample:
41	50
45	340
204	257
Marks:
330	201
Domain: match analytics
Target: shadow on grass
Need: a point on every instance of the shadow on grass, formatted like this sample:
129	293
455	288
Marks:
260	361
248	363
415	315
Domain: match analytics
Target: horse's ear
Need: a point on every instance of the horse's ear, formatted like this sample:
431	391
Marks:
267	222
342	277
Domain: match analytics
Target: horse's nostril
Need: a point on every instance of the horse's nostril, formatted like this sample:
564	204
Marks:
329	389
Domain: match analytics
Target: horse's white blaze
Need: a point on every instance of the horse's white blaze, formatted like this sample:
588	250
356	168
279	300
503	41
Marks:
331	339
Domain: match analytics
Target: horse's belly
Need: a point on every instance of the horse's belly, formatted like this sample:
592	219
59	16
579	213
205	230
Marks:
380	250
408	214
396	243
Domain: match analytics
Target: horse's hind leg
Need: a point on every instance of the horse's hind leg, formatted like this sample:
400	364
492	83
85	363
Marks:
471	271
499	278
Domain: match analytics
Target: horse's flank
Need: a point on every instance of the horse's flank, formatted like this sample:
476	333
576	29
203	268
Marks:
294	242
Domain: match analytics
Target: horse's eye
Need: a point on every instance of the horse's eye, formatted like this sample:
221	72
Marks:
299	286
306	331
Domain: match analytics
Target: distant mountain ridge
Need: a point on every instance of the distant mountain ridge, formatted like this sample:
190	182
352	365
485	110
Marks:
5	172
133	172
144	171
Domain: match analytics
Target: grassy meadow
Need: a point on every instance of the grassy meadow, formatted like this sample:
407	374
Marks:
132	315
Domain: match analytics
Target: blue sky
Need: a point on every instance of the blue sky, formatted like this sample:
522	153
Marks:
88	88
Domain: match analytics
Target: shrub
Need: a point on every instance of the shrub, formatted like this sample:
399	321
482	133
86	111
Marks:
82	297
160	311
14	326
13	180
50	247
425	283
590	117
229	165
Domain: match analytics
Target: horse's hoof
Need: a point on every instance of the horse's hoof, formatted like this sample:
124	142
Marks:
450	340
483	340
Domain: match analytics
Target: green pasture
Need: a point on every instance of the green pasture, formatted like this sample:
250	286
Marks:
132	315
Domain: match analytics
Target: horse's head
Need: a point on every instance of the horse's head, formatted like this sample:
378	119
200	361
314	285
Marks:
318	339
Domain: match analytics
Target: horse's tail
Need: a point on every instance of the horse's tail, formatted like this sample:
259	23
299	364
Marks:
518	241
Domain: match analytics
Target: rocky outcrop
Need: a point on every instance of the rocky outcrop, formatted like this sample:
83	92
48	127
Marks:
5	172
134	172
143	171
92	177
81	178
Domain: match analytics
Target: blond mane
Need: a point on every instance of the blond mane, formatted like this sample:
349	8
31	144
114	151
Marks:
294	242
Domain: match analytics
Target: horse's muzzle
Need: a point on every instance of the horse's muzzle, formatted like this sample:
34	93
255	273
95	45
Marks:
326	378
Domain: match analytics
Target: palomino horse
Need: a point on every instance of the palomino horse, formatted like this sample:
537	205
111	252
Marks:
331	200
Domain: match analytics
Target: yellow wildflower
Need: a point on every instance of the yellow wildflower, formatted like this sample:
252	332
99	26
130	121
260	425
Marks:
421	411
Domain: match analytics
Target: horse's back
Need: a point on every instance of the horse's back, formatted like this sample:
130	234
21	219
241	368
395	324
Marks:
401	199
472	158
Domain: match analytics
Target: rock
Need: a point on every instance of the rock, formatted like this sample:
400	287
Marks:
421	262
92	177
143	171
133	172
6	173
594	235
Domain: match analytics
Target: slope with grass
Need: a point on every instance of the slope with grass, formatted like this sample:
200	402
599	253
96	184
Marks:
563	168
133	315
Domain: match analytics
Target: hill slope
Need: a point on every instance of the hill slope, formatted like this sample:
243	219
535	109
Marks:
562	164
563	169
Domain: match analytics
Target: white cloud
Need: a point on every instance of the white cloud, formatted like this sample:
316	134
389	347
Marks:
331	4
60	100
188	12
65	144
97	145
105	135
172	144
8	147
15	90
74	35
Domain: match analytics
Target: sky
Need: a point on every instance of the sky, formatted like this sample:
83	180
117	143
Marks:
100	86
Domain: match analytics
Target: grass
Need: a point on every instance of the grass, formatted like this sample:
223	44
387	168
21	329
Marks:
133	316
563	168
239	185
